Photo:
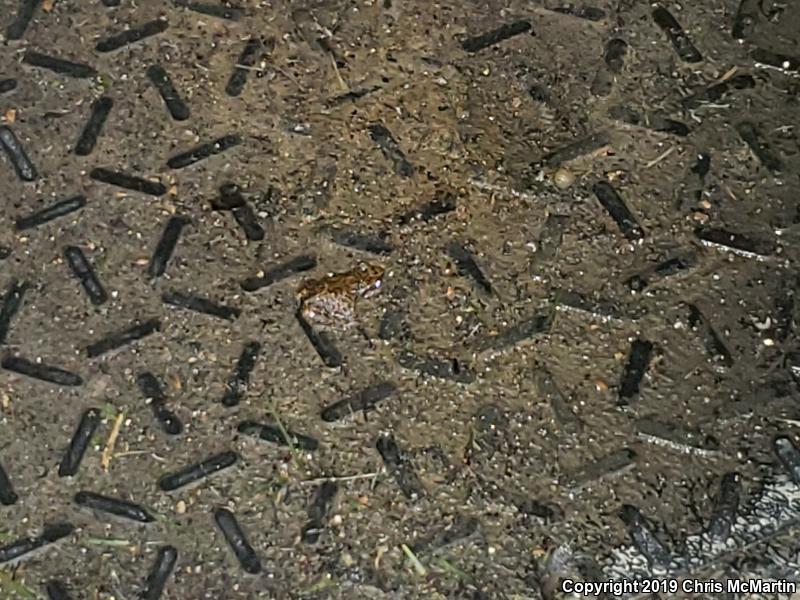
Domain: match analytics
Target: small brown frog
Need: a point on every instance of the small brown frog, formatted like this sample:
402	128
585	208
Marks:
330	301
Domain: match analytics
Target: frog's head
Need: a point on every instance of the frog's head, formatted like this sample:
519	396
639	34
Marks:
371	277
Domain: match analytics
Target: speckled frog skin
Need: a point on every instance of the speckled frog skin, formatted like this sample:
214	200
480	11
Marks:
330	302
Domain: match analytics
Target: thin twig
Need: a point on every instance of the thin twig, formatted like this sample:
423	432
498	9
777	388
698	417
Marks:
107	542
344	85
345	478
659	158
730	73
108	451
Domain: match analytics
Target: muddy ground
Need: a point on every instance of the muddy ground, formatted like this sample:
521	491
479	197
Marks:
581	362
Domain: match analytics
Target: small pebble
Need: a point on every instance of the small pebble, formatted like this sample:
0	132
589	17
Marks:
563	178
180	507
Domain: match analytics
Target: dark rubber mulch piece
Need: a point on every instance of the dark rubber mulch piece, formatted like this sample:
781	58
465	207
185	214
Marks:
247	59
161	80
231	198
677	36
515	334
101	108
638	361
7	494
589	13
375	244
203	151
295	265
352	95
703	165
275	434
614	55
165	247
713	343
565	417
695	186
445	369
462	528
12	301
80	442
643	536
394	325
736	242
56	591
212	10
399	465
660	271
23	366
786	308
198	471
131	36
364	400
618	211
242	550
550	238
248	221
318	512
7	85
83	271
113	506
322	342
122	338
653	122
5	252
468	267
58	65
111	3
751	136
717	92
151	389
162	568
128	182
391	149
747	15
201	305
51	533
779	61
580	147
20	24
546	513
726	505
490	38
49	213
16	154
789	456
539	93
441	205
237	384
614	59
